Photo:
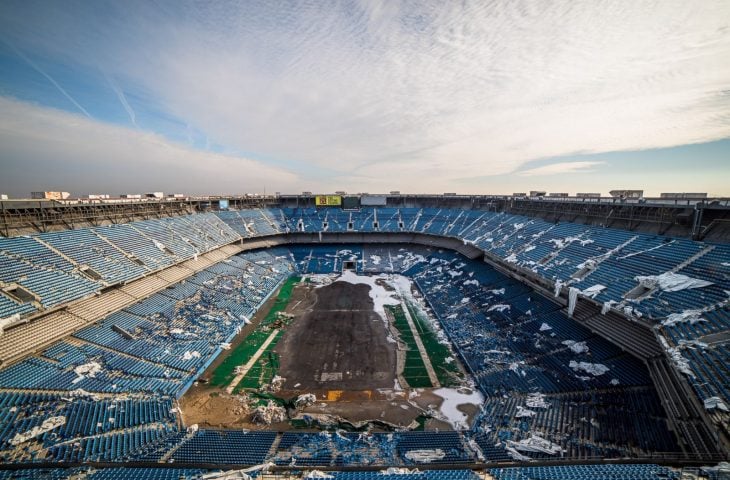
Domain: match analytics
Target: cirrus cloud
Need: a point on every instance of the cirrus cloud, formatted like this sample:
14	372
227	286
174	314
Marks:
46	149
562	168
383	89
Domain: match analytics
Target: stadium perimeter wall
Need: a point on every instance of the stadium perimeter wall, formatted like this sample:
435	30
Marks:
700	220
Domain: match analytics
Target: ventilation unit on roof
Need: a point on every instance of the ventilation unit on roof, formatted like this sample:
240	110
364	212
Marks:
588	267
136	260
89	272
639	292
20	294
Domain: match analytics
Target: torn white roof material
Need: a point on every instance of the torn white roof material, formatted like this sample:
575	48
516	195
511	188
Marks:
595	369
48	425
536	444
425	455
671	282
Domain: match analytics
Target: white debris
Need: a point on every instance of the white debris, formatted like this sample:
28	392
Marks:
692	343
512	258
517	455
268	414
647	250
720	469
524	412
558	242
188	355
558	287
47	425
607	306
88	369
614	381
472	282
318	474
545	327
305	400
499	307
159	245
715	402
399	471
589	264
536	444
277	382
572	300
593	291
691	316
680	362
576	347
530	248
594	369
425	455
498	291
80	392
8	322
536	400
671	282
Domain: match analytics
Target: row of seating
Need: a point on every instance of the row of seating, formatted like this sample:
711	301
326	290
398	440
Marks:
512	340
58	267
119	253
516	343
157	347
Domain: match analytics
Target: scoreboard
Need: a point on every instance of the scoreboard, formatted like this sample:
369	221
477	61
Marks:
328	200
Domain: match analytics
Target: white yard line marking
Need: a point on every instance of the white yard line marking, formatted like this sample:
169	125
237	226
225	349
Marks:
243	371
421	349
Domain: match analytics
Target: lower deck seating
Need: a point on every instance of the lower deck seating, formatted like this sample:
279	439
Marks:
542	374
586	472
226	447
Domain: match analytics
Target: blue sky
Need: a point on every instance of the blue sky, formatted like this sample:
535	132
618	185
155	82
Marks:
474	97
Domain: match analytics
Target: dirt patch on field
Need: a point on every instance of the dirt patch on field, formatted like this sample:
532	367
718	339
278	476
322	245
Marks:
341	344
336	348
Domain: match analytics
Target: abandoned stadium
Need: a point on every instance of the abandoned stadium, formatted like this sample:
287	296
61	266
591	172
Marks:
464	336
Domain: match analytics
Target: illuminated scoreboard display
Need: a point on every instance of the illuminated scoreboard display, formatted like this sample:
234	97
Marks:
328	200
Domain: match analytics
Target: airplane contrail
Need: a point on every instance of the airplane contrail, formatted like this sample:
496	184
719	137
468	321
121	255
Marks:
51	79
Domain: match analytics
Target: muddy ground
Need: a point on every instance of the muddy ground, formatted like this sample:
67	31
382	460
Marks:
341	344
336	348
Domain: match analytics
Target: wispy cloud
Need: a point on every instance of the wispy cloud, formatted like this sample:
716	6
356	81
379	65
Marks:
49	149
561	168
122	99
391	90
48	77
